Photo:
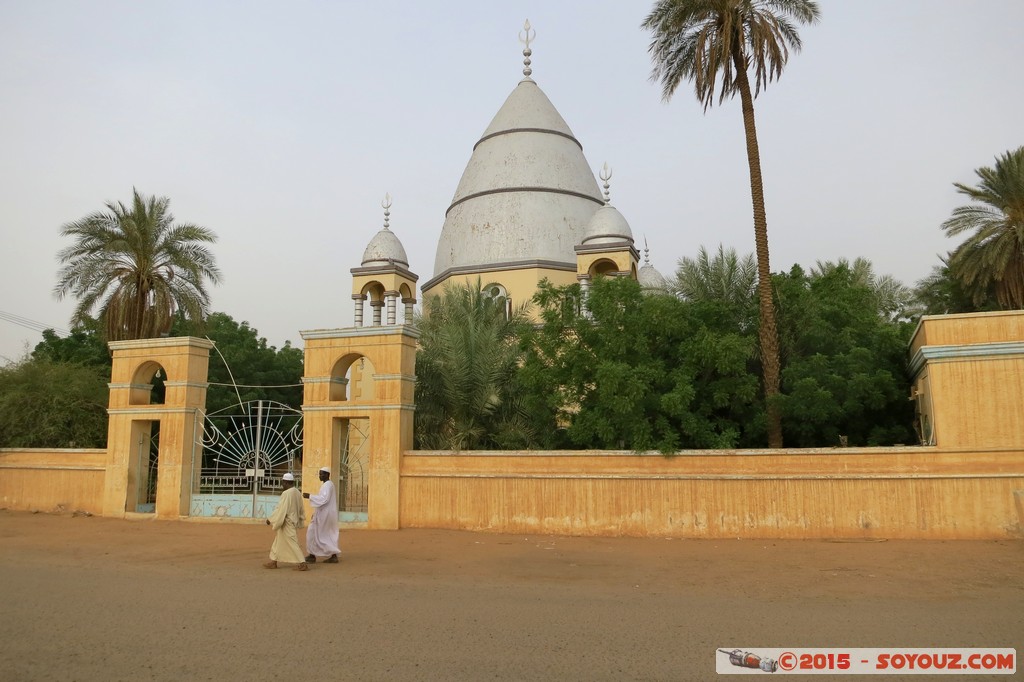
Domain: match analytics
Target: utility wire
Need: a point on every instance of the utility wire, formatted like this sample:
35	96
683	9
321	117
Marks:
213	383
228	368
28	323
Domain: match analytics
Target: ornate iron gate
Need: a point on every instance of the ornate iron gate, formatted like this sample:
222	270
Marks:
147	468
243	452
353	483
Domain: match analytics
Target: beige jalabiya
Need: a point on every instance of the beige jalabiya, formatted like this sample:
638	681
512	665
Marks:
288	517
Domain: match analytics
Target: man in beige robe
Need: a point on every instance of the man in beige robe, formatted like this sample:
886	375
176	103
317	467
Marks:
287	517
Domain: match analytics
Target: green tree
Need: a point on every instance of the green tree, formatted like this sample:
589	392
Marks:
845	373
137	267
243	366
51	404
466	367
696	40
993	255
725	279
940	293
84	346
639	372
893	299
57	397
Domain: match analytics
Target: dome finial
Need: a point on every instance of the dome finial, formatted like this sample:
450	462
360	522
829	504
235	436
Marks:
647	261
386	205
525	36
606	175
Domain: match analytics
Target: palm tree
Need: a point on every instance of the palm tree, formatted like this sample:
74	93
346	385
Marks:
465	372
137	267
893	298
723	278
694	40
994	255
940	293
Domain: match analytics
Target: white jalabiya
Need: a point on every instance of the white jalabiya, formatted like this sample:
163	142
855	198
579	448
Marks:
322	534
288	516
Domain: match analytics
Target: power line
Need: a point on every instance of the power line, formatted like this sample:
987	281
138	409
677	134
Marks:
29	323
212	383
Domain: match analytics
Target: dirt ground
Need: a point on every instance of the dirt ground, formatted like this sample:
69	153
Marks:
87	598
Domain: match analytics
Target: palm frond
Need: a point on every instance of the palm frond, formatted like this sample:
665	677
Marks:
992	255
137	267
706	41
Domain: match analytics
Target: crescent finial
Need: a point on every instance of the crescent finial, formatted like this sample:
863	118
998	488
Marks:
606	175
526	36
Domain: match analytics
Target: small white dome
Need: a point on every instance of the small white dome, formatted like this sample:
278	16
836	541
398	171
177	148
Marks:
651	280
607	226
385	249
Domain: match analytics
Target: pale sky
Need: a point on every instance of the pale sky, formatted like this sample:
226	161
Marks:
280	126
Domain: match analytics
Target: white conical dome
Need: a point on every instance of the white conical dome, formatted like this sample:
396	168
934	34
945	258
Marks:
385	249
527	193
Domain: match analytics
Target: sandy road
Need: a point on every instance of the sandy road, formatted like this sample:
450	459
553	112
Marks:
87	598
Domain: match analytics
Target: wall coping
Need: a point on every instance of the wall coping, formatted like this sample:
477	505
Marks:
764	452
963	352
959	316
356	332
162	342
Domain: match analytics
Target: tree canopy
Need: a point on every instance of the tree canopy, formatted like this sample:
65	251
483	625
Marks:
46	403
942	293
467	395
243	366
58	396
992	256
725	277
845	377
893	299
713	44
638	371
137	267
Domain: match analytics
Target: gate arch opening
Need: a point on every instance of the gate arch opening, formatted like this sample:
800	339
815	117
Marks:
352	379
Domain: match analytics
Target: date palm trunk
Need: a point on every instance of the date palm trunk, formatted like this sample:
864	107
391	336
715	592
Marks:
768	337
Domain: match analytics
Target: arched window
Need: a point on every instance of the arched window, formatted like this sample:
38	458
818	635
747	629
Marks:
499	294
148	385
603	268
352	378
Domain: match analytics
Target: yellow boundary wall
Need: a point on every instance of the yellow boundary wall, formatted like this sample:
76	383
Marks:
909	493
915	492
897	493
49	480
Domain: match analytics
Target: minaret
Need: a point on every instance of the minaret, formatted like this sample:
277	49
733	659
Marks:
384	277
607	246
651	281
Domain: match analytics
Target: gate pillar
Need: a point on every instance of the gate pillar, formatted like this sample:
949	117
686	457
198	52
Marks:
331	356
183	363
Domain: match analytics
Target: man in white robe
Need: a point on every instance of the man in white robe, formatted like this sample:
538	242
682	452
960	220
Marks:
322	534
287	517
